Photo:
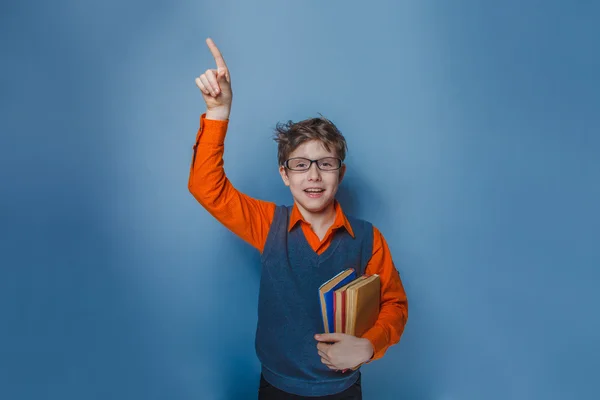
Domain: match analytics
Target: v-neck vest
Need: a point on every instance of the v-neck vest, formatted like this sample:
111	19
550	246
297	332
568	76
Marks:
289	311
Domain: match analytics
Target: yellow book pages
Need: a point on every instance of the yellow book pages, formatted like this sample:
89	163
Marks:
340	309
333	281
362	305
349	307
326	287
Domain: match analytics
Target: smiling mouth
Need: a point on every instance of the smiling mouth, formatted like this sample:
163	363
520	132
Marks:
314	193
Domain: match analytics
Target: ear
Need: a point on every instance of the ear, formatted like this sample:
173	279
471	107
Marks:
284	176
342	173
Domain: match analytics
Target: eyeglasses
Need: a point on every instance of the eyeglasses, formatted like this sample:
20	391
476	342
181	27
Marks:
304	164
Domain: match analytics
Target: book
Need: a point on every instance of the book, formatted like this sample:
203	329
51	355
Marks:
326	291
339	305
356	306
362	300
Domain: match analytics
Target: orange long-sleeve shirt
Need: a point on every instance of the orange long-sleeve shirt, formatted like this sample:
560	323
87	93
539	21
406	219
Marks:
251	219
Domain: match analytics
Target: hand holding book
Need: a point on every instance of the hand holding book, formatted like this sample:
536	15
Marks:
340	351
349	307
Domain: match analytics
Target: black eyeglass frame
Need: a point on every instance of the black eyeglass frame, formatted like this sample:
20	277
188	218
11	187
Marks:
287	166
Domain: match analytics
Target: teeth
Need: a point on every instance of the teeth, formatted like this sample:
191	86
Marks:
314	190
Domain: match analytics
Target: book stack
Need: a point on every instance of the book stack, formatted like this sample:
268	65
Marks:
350	304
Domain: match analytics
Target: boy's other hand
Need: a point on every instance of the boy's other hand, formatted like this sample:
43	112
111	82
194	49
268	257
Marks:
340	351
215	85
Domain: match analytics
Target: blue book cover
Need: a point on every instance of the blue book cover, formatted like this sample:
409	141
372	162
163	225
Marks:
326	292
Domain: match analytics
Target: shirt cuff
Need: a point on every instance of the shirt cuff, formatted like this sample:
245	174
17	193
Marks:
378	338
211	131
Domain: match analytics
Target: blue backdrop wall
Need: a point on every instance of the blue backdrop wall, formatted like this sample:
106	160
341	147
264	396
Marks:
474	141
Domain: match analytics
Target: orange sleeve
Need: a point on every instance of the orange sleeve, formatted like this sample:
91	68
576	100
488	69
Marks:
393	312
245	216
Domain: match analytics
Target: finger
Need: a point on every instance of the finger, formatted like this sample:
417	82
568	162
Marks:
323	346
216	54
223	76
329	365
329	337
324	355
211	75
201	86
207	85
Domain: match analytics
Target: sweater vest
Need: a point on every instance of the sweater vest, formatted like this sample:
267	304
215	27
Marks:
289	310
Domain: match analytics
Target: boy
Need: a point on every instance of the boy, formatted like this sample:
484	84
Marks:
301	247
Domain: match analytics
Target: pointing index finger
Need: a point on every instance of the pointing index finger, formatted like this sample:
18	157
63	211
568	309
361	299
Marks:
216	54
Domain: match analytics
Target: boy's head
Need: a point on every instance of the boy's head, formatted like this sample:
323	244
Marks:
311	155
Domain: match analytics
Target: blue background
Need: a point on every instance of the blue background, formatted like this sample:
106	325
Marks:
473	129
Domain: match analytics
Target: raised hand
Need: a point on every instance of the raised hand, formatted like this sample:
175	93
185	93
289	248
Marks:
215	85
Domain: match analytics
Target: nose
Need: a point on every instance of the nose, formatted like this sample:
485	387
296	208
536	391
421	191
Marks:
313	173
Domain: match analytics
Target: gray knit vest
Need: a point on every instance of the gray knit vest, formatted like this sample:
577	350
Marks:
289	311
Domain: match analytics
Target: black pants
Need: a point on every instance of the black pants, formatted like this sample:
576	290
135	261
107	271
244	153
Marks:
266	391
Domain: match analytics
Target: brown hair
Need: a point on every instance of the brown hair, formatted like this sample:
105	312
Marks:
290	135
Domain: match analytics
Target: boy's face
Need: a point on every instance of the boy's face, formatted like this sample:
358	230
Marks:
313	190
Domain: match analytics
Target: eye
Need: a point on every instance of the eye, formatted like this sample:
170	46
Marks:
298	163
328	163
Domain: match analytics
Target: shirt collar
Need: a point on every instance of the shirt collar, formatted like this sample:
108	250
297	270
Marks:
339	221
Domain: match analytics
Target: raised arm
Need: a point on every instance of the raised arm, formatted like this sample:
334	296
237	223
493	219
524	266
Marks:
247	217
